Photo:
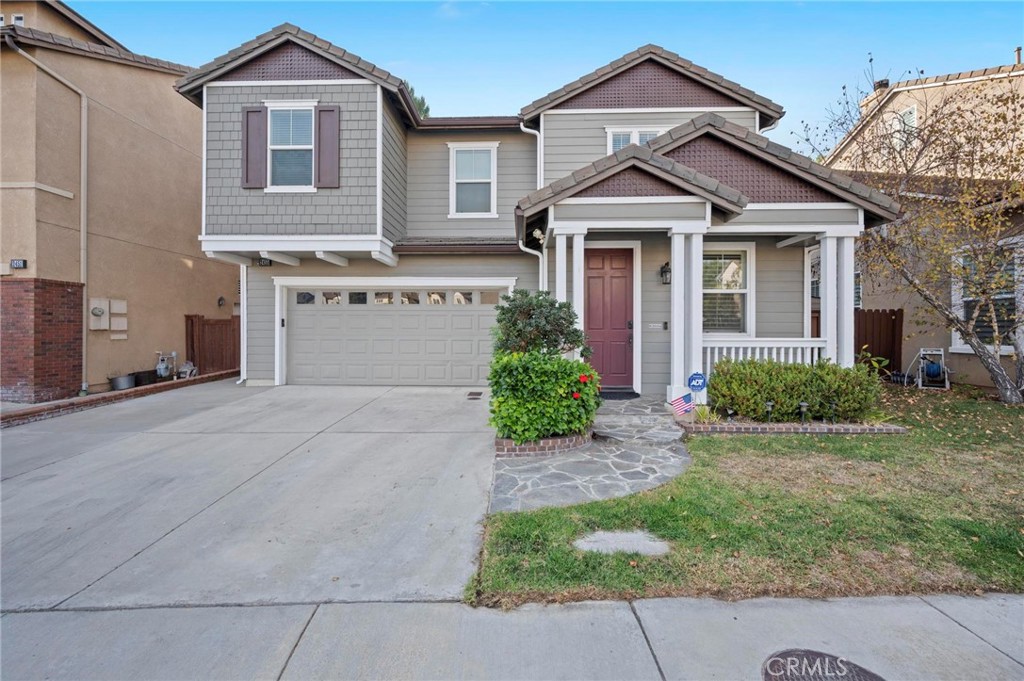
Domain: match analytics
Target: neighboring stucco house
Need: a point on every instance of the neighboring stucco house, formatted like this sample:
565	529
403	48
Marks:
131	185
374	243
901	108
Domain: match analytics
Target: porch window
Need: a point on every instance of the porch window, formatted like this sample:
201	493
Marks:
727	291
619	138
1006	303
473	187
291	147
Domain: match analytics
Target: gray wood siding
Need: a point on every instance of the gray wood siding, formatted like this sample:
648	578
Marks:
571	141
394	175
428	184
349	209
798	216
596	212
260	290
778	296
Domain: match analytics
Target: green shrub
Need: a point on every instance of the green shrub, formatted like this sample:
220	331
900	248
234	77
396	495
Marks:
537	394
536	322
746	385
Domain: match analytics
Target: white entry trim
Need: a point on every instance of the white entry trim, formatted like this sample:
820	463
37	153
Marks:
282	284
637	303
573	200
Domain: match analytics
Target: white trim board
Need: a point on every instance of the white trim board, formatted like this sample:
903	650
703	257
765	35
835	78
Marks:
38	185
261	83
629	200
380	162
636	247
655	109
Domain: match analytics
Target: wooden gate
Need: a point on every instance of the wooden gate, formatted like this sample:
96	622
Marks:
212	344
882	332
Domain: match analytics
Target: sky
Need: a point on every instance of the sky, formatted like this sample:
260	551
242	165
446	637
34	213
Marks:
493	58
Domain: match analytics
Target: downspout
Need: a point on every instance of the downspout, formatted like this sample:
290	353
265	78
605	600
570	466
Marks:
83	203
243	321
541	260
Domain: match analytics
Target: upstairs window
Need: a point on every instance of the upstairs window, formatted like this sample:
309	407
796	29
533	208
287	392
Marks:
619	138
473	186
18	19
291	147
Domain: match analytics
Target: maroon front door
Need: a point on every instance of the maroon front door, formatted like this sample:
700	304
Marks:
608	302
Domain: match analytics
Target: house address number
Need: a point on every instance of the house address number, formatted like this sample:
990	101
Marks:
19	264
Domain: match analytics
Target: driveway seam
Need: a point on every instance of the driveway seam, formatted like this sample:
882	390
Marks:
971	631
352	413
183	522
297	640
647	640
73	456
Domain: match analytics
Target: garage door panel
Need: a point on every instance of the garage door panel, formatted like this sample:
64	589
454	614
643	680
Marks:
355	344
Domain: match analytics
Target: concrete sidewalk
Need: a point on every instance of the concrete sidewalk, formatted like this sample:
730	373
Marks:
938	637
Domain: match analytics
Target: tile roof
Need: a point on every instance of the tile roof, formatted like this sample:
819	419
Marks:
862	194
719	194
672	59
963	75
24	35
287	32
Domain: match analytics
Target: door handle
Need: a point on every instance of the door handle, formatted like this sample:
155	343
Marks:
630	340
629	325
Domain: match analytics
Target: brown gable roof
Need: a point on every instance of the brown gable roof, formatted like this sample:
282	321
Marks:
690	181
103	38
769	109
877	204
24	35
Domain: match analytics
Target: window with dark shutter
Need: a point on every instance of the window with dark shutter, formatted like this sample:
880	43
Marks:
254	147
328	163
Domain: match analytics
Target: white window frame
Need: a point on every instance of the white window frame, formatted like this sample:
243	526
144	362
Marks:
453	147
634	134
311	105
900	127
957	344
748	249
17	20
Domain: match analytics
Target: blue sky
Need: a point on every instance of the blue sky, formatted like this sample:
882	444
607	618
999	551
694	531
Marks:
471	58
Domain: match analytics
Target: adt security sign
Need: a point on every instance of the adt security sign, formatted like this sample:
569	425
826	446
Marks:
697	382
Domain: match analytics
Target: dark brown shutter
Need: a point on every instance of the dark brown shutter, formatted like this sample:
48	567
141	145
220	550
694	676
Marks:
328	163
254	147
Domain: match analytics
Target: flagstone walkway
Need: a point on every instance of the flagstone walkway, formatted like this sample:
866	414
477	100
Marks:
637	445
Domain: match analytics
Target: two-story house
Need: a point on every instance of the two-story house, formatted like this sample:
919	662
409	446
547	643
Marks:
374	243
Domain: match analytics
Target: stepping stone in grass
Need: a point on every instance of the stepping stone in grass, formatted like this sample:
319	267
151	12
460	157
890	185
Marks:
644	543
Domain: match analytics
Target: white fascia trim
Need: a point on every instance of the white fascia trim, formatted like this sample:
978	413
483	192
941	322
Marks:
637	303
785	230
631	199
333	238
290	103
367	244
38	185
671	109
380	161
689	227
833	205
397	282
750	250
261	83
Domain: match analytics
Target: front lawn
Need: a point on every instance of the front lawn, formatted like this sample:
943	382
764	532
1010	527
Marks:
940	509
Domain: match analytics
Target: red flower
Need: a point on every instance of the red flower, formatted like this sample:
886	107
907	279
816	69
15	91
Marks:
584	378
575	396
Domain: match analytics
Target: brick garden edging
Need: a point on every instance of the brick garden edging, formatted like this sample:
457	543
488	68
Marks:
790	429
549	446
75	404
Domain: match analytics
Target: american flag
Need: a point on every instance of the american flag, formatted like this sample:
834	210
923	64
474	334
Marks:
683	404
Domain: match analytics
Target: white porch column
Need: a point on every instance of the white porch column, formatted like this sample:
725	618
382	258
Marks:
577	277
828	293
560	268
695	309
845	352
678	316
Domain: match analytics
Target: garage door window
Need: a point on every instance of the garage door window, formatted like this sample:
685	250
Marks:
332	297
383	297
489	297
463	298
436	298
304	298
357	298
410	297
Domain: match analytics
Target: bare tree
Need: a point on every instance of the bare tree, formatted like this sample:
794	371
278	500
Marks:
957	168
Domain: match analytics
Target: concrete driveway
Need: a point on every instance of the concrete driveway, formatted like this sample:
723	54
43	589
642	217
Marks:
218	494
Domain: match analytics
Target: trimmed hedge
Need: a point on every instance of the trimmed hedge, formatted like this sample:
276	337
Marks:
746	385
536	395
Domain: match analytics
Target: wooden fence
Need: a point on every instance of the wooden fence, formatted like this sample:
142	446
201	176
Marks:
882	332
212	344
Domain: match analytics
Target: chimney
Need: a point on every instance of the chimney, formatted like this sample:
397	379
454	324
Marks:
884	83
1017	53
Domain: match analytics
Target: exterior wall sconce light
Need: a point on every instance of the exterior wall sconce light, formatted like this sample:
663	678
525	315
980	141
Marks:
221	301
803	413
666	274
768	406
730	412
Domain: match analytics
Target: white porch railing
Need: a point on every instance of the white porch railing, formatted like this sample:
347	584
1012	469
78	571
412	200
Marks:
785	350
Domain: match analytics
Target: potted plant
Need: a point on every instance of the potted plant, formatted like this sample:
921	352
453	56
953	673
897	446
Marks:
120	380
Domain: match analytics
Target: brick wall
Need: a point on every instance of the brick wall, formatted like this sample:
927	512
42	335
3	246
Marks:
41	339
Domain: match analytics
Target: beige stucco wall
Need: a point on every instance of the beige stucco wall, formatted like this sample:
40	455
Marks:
144	199
42	17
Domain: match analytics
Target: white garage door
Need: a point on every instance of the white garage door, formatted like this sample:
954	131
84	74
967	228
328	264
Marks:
389	337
